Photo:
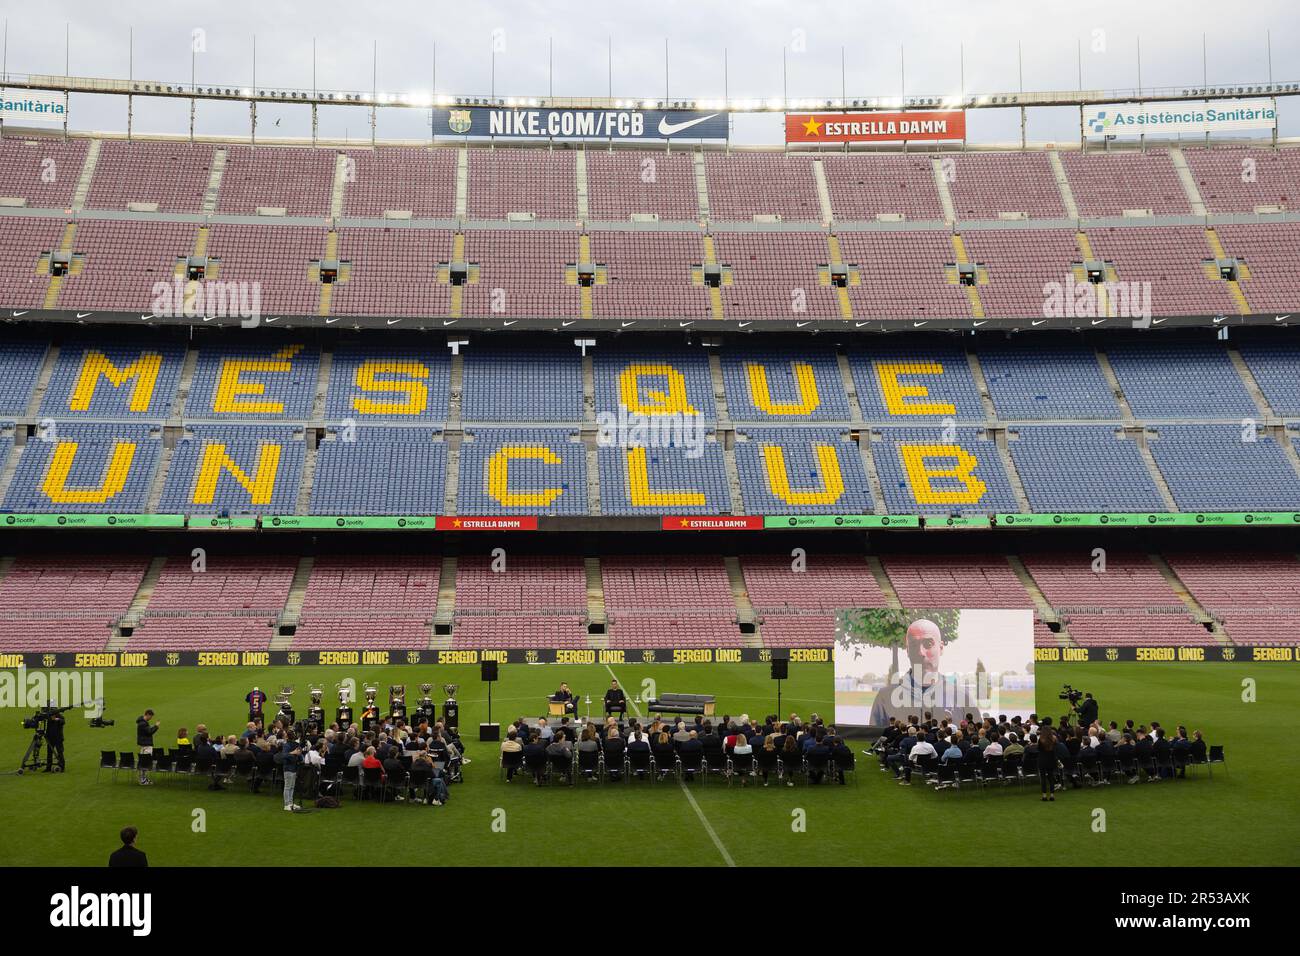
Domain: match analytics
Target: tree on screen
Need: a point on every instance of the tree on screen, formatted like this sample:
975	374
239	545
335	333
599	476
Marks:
860	628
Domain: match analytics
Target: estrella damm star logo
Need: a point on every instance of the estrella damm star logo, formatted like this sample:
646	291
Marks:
812	127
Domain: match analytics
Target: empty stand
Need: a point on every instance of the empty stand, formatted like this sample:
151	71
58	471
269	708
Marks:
173	176
66	603
42	171
624	183
863	187
232	604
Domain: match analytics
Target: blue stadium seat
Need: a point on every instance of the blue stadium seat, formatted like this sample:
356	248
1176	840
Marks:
810	488
534	385
373	470
274	491
1082	468
83	381
791	385
935	376
970	452
673	481
271	382
359	389
522	471
1035	382
1211	468
109	469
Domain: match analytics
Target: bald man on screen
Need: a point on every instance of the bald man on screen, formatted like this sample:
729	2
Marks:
923	687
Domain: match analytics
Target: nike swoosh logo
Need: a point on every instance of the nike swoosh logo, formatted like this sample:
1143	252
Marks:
1157	321
565	325
741	325
447	322
626	324
917	325
978	324
269	321
82	315
331	321
1279	318
858	325
682	325
671	129
23	312
1098	321
800	325
393	321
146	318
509	323
1035	323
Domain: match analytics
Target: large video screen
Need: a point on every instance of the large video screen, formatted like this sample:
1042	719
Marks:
947	662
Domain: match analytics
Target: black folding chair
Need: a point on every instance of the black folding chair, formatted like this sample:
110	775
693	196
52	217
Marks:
589	764
740	766
561	764
691	765
846	764
715	764
1216	756
107	761
639	764
511	761
790	767
372	782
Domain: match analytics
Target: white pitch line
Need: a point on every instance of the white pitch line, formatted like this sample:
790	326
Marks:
690	797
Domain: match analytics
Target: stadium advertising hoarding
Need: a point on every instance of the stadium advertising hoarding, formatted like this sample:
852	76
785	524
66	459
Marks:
921	126
580	124
898	662
1134	119
1208	519
32	106
423	657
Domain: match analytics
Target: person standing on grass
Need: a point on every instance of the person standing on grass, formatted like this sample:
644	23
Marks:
1047	761
144	732
291	753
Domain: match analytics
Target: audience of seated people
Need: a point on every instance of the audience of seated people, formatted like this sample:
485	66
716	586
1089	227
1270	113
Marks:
743	749
411	762
948	752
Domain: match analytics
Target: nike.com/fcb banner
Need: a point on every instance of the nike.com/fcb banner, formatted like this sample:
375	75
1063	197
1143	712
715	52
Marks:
31	106
580	124
1133	119
932	126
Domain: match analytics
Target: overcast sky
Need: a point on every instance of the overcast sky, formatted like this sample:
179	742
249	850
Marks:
753	32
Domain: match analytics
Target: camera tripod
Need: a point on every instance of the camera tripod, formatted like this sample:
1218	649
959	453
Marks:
32	758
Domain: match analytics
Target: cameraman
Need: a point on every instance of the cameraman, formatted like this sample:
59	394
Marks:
54	739
1087	711
144	732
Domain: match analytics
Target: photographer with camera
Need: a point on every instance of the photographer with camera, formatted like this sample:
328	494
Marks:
144	732
54	740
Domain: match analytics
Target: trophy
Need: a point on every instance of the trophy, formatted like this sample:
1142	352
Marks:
370	712
451	709
344	714
396	702
285	712
316	713
425	712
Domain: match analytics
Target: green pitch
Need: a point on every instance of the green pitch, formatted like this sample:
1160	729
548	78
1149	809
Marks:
1247	815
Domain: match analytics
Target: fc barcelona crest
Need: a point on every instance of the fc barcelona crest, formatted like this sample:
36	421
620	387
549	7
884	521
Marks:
1112	654
459	121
